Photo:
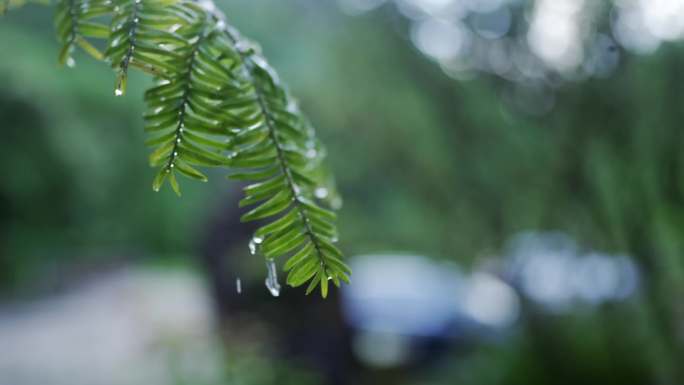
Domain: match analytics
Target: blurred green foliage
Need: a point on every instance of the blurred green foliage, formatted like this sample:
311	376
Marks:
77	186
425	163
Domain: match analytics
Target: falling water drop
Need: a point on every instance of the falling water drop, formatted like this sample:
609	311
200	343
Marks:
272	278
254	243
238	285
336	203
121	81
70	62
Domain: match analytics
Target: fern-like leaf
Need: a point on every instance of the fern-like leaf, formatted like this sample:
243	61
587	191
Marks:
188	112
152	35
217	102
7	5
76	22
281	155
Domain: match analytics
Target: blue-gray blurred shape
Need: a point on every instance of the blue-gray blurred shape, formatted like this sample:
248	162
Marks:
551	270
399	304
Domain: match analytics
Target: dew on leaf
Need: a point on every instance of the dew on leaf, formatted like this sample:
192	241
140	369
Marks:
321	192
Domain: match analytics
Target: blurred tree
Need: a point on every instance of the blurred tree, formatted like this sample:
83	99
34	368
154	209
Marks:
448	168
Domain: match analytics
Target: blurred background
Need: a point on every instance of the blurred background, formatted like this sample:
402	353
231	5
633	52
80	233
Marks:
513	183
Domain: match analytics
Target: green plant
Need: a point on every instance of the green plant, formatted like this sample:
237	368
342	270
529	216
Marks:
217	103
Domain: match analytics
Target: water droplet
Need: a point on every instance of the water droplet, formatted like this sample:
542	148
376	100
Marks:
292	107
70	62
254	243
121	81
272	278
238	285
336	203
244	47
171	165
178	140
116	41
175	154
321	192
311	153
